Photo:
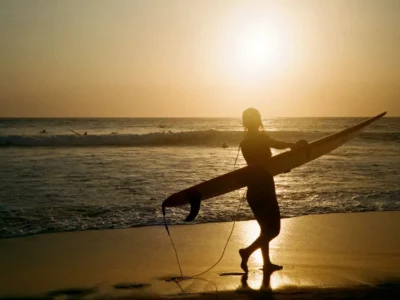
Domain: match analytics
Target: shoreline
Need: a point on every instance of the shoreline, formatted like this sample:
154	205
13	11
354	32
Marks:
185	224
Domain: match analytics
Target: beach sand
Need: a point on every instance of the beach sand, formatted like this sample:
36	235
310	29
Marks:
336	256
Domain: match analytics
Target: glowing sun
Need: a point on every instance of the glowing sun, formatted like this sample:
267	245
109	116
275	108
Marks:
256	50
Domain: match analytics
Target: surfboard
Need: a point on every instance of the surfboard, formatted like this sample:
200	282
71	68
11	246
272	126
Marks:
275	165
78	134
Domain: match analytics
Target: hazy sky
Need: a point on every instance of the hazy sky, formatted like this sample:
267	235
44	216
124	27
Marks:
98	58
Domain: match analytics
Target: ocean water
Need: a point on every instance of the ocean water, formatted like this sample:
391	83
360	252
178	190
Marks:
118	174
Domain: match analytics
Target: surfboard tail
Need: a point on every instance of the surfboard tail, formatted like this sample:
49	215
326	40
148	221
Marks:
194	198
191	196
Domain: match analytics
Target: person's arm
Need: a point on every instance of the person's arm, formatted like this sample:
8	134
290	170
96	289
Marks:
283	145
280	145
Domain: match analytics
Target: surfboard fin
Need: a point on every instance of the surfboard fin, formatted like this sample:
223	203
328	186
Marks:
194	198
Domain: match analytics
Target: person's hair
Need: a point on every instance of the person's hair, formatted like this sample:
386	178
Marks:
252	118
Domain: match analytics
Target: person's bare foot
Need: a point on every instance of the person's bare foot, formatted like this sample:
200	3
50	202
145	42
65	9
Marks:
271	267
245	258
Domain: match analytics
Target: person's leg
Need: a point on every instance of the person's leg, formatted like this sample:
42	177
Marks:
256	203
268	265
264	205
274	228
266	236
245	253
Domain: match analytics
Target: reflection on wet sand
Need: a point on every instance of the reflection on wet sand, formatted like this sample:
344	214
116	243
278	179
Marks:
263	282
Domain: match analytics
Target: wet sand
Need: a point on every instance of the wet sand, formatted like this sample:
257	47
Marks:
354	255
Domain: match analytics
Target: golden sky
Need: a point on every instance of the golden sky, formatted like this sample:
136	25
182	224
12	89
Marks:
187	58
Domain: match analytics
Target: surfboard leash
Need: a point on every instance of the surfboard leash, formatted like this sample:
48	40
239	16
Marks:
182	277
227	241
178	279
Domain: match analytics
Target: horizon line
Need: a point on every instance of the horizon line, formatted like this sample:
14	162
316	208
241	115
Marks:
202	117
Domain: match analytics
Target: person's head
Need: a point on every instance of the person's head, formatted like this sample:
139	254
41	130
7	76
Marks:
252	119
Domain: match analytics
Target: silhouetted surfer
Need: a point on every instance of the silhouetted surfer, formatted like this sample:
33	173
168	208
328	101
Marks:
261	195
43	131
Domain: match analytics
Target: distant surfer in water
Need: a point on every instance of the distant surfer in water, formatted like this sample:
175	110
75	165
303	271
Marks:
261	195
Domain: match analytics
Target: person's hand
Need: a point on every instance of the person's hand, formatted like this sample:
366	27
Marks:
302	143
292	146
298	144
